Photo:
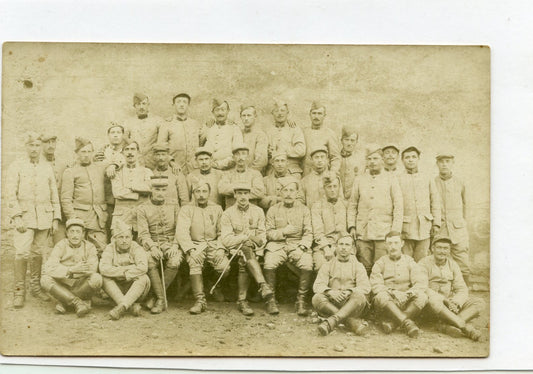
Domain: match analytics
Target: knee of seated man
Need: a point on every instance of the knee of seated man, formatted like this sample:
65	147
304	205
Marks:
47	282
143	280
435	304
358	297
174	261
381	299
318	300
420	299
95	281
305	262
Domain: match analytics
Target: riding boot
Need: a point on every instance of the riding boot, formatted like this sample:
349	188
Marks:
85	291
243	281
397	315
466	315
352	307
35	278
408	324
19	291
65	297
197	286
303	289
157	288
328	325
412	310
255	270
326	309
451	318
270	277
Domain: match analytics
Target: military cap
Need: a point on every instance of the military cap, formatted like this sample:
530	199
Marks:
285	181
183	94
373	148
218	102
45	137
129	141
239	147
199	182
113	125
203	151
120	227
317	105
441	238
159	180
80	143
278	103
329	177
445	154
391	145
277	154
242	185
31	136
318	148
160	147
75	222
411	149
246	106
348	130
138	97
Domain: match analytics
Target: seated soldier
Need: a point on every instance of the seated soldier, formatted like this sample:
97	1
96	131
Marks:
399	287
243	229
328	216
280	169
448	293
156	221
70	274
198	234
341	288
123	266
289	235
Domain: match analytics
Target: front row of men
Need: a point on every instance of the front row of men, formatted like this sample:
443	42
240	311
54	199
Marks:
400	288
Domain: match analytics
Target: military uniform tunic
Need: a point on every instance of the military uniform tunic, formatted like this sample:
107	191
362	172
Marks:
177	191
221	139
272	191
323	136
257	142
351	165
338	275
290	140
144	131
248	176
213	177
183	138
313	188
237	225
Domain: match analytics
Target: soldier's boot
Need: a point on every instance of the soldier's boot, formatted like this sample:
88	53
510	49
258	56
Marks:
197	286
327	326
469	313
117	312
36	263
136	310
466	315
357	325
218	295
60	308
85	292
303	289
449	330
157	288
397	317
19	292
349	314
409	325
255	270
270	277
170	275
66	297
243	282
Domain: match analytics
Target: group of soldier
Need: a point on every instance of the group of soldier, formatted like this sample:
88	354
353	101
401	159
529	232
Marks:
160	193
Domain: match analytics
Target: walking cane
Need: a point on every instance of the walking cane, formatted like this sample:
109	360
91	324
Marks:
163	282
226	268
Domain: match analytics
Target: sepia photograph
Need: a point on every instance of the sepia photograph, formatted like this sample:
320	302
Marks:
240	200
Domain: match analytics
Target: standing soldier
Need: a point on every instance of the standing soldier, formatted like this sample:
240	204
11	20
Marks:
352	161
156	220
182	135
390	158
112	151
241	173
328	216
243	229
421	206
131	187
280	169
33	207
254	138
143	128
286	137
341	288
206	172
313	189
289	235
177	193
123	266
222	136
70	273
198	234
375	208
399	286
448	293
320	136
452	191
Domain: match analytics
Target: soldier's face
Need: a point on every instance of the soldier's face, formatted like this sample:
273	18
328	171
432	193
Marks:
221	112
394	246
201	194
445	165
317	116
344	248
181	104
85	154
115	135
141	108
349	142
49	147
390	156
410	160
374	162
320	161
34	149
288	194
204	162
124	240
242	197
158	193
75	235
248	117
161	158
240	157
130	152
332	189
441	251
280	113
280	164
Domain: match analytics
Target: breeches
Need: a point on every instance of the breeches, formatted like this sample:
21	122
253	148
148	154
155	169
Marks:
420	299
296	257
435	303
215	257
94	281
359	303
171	261
32	242
127	292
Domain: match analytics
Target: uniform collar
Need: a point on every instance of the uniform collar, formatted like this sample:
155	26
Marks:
345	153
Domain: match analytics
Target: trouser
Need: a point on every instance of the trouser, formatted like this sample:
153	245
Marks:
127	292
83	288
30	243
417	249
381	300
353	307
470	309
60	233
369	251
461	254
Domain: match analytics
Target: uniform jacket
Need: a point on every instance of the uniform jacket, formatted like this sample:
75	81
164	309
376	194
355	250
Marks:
251	176
221	140
257	141
401	275
272	191
280	216
59	168
144	132
351	165
290	140
446	280
63	257
313	188
323	136
212	178
127	265
156	224
329	221
337	275
183	138
376	206
236	225
421	205
199	227
31	193
453	198
177	190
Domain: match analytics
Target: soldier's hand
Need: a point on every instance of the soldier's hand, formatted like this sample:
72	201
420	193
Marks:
176	169
453	306
156	252
164	246
401	297
336	296
20	225
82	267
111	171
289	230
353	233
99	156
55	225
195	256
434	230
173	250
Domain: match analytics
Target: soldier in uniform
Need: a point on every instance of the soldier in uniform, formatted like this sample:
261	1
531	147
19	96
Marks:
241	173
33	207
156	222
222	137
421	206
452	191
289	235
391	152
399	286
243	229
279	163
143	128
123	267
198	234
320	136
313	189
70	273
328	216
182	135
131	186
254	138
286	137
352	161
206	172
341	288
375	208
448	293
177	192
